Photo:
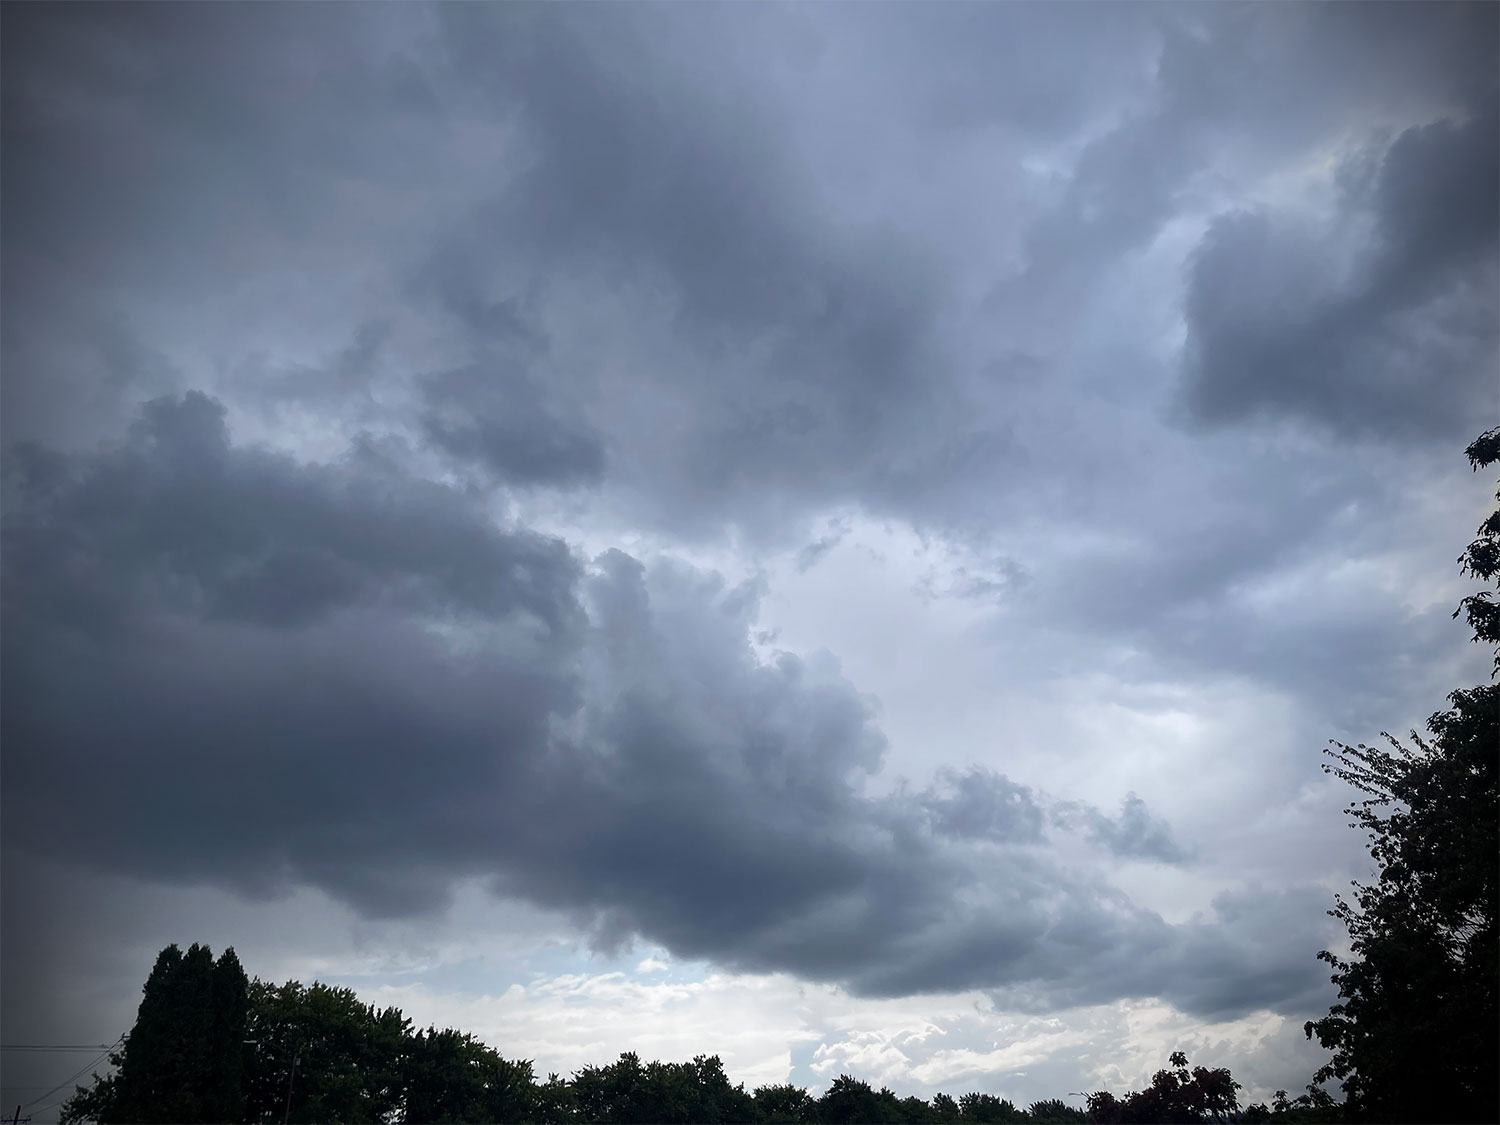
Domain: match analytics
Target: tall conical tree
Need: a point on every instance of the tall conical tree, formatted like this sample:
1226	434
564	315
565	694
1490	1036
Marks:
183	1059
148	1064
223	1097
194	1013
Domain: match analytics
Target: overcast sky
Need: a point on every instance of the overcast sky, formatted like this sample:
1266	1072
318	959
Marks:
829	535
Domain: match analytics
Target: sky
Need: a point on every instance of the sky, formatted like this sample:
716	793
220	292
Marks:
831	535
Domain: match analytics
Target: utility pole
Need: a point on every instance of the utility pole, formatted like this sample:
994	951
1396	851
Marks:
291	1074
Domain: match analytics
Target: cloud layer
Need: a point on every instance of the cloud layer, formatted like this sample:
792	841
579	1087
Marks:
334	675
453	445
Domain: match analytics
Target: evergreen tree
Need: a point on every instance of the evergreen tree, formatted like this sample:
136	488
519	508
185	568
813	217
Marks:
182	1059
223	1098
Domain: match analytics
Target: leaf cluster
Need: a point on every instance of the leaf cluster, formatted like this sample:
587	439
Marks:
1176	1094
1481	558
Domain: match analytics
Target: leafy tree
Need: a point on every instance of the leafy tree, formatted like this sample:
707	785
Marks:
1414	1033
1105	1108
1054	1110
1315	1106
850	1100
626	1091
988	1108
612	1093
322	1055
1175	1095
914	1109
94	1103
1481	559
555	1101
944	1108
452	1076
782	1105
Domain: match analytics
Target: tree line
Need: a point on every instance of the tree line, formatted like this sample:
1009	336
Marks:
1414	1035
210	1044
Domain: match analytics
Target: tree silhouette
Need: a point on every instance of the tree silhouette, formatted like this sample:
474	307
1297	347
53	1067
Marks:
1481	558
1175	1095
1414	1033
784	1105
322	1055
452	1076
989	1108
848	1099
181	1062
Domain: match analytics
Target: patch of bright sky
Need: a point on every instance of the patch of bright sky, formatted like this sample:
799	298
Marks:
761	1025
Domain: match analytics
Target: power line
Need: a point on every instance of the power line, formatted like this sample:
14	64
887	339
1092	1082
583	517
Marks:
76	1074
56	1046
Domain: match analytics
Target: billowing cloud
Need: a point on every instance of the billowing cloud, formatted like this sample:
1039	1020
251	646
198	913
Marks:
600	741
1135	833
1379	321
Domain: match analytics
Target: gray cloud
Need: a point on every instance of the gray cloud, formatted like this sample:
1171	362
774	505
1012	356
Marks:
1390	333
331	675
785	345
984	806
1134	834
178	515
808	556
501	419
702	278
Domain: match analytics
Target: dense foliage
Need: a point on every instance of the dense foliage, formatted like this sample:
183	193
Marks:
1174	1095
1414	1034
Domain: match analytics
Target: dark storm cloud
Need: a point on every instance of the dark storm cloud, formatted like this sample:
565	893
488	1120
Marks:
1383	328
235	131
245	535
334	675
343	381
1210	107
172	156
257	640
788	344
704	268
501	419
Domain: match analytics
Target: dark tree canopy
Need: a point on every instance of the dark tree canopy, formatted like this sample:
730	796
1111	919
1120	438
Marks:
1175	1095
1414	1034
627	1090
322	1055
451	1076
